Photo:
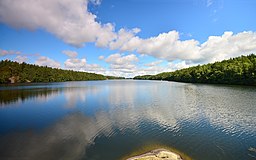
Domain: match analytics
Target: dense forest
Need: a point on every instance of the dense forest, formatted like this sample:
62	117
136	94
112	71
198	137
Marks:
22	72
240	70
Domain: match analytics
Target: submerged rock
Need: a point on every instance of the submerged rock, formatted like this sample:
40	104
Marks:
157	154
252	149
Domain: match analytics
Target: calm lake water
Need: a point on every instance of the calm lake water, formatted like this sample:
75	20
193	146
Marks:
107	120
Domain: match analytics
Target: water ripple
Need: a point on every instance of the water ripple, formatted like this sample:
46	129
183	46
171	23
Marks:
110	118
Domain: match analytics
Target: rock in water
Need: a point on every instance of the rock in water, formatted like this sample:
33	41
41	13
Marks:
157	154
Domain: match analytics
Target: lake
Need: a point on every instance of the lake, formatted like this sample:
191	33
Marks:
110	120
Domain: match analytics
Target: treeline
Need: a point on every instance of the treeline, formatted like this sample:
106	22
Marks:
12	72
114	77
240	70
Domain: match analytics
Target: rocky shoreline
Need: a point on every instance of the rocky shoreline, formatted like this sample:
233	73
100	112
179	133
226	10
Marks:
157	154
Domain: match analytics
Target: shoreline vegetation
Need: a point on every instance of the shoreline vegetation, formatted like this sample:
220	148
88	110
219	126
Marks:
14	72
238	71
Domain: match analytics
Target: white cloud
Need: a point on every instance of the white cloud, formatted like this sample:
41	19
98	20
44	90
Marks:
8	52
106	35
118	59
95	68
165	45
123	37
81	65
75	63
69	20
21	59
101	57
176	66
127	66
46	61
217	48
122	65
154	68
168	46
150	70
155	63
71	54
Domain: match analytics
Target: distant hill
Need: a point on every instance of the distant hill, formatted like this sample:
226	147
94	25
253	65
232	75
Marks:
13	72
240	70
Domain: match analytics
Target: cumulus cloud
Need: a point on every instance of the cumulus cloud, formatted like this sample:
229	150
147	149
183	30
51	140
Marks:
69	20
217	48
71	54
179	65
168	46
21	59
155	67
95	68
123	36
119	59
155	63
151	70
101	57
127	66
75	63
81	65
122	65
46	61
106	35
8	52
165	45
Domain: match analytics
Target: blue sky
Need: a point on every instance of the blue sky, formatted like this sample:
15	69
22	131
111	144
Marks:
126	38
